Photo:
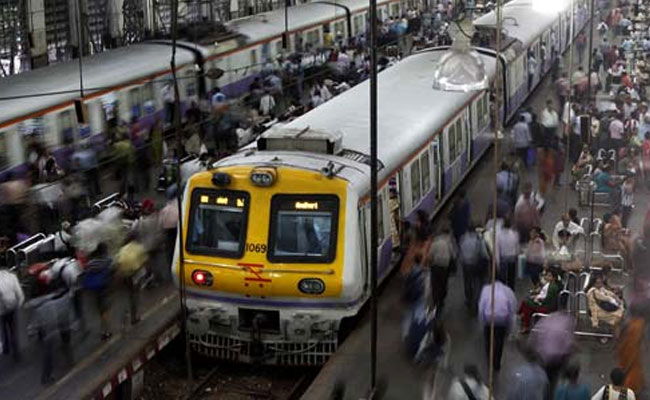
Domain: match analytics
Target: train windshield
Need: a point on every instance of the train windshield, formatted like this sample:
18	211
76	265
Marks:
303	228
218	223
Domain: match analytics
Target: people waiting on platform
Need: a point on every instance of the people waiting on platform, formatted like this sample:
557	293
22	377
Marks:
535	255
571	228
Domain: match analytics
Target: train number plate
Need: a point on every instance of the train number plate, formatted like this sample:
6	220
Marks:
256	248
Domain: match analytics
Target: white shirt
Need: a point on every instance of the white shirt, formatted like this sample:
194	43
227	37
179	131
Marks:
267	103
613	394
508	241
11	294
479	390
549	118
573	229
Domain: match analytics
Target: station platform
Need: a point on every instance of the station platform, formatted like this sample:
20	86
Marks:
99	369
351	364
398	375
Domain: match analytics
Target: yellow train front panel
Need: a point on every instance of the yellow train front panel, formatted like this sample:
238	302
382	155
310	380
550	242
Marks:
264	233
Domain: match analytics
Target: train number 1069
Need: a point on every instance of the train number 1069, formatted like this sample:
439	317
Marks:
256	248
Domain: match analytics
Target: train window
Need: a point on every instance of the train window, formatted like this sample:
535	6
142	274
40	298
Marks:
67	126
3	150
147	92
452	142
218	220
394	10
380	217
313	37
358	24
190	83
278	47
253	56
415	182
135	102
426	172
303	228
339	29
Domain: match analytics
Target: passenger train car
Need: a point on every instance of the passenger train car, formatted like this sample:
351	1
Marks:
276	237
40	104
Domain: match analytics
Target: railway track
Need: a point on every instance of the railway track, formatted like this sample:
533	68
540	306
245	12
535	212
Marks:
166	378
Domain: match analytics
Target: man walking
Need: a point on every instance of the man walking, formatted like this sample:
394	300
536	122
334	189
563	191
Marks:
505	306
550	121
473	258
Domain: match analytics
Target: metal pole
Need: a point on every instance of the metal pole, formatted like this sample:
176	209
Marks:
179	194
570	104
80	48
285	41
373	195
590	61
497	128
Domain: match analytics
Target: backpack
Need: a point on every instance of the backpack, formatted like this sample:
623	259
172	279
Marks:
467	390
97	275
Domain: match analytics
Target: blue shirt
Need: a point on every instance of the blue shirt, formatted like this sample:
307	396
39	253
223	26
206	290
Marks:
529	382
572	392
602	181
505	304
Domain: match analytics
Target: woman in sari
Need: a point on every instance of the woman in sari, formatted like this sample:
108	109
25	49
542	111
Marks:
604	305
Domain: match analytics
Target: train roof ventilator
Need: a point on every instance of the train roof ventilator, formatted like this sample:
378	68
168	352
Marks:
306	139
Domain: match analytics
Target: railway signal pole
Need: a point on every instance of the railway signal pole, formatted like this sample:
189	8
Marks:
179	191
373	197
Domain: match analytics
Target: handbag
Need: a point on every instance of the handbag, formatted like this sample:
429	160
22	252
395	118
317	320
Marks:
606	305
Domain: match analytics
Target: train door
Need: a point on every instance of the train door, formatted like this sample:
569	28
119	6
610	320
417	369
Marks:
393	211
467	138
436	170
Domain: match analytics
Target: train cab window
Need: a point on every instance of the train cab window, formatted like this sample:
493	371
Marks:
218	220
135	102
426	172
303	228
67	126
415	182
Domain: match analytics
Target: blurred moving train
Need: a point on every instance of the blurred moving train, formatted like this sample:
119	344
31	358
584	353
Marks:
133	83
276	237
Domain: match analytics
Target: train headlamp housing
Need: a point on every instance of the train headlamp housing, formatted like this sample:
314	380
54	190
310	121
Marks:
202	278
311	286
263	177
221	179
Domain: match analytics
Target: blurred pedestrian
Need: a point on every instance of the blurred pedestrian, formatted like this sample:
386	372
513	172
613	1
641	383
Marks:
460	215
11	299
473	258
168	219
442	257
97	280
522	139
630	353
552	339
571	389
508	249
505	307
615	390
51	316
469	386
526	214
528	380
130	262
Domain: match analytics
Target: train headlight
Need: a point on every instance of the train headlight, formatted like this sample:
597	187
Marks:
311	286
264	177
201	278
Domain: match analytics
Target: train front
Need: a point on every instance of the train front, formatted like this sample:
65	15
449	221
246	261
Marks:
264	256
